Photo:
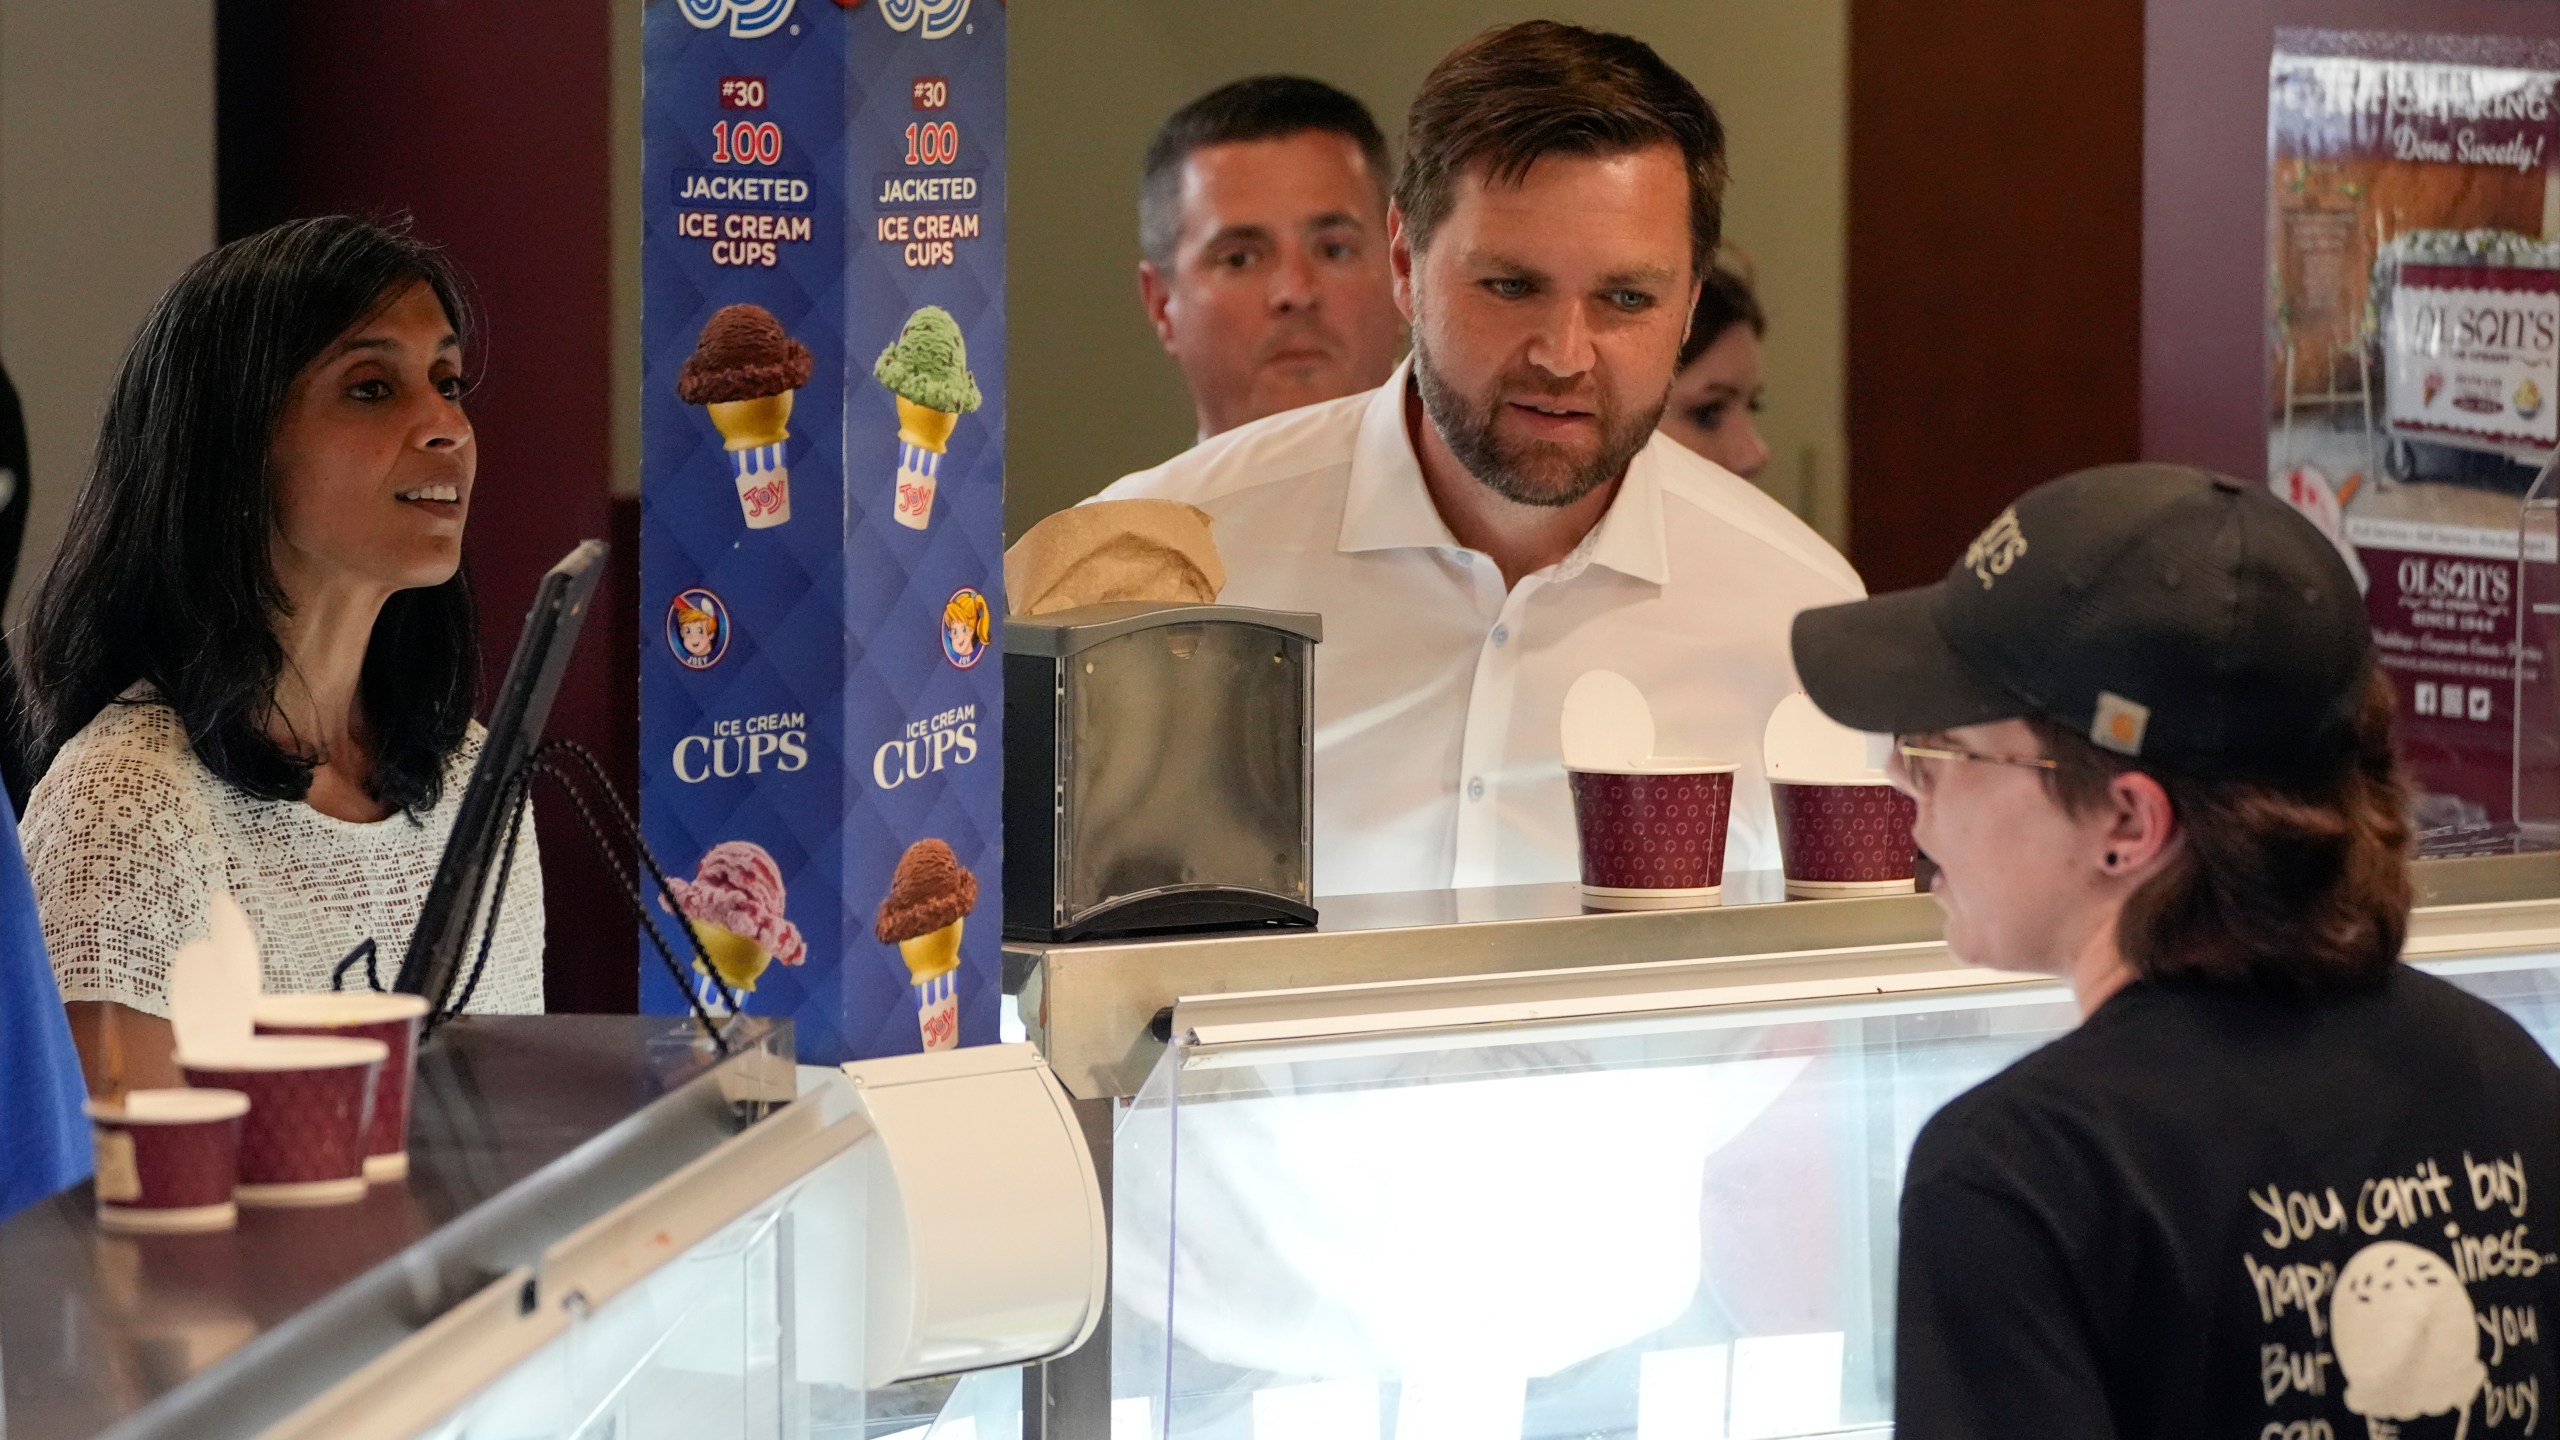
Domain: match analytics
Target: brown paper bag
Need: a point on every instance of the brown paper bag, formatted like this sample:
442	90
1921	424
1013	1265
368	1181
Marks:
1158	550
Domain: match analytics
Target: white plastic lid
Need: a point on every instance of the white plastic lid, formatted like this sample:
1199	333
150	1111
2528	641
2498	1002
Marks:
169	1107
1607	724
1661	765
1806	746
213	982
337	1007
287	1052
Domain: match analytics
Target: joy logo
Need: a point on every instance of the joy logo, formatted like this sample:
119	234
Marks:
747	18
931	19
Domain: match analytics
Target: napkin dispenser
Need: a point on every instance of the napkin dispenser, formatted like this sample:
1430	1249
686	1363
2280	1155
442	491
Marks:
1158	769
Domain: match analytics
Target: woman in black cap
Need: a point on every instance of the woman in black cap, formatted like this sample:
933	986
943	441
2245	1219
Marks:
2277	1183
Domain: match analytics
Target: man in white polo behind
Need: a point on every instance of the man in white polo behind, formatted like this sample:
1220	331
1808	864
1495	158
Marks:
1499	517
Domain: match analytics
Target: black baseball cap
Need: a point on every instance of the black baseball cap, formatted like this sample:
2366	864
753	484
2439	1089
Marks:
2187	619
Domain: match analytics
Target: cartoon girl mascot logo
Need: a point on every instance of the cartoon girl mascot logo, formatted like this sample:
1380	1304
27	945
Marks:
697	629
968	624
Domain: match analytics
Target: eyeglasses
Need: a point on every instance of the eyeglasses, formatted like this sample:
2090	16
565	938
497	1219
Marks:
1921	760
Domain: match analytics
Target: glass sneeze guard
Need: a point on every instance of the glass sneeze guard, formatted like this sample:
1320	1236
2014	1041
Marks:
1655	1219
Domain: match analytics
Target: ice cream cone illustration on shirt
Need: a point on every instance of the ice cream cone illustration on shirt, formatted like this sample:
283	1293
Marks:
745	370
734	905
930	897
927	370
2402	1327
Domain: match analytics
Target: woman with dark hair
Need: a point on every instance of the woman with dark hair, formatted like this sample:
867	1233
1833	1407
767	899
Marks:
1716	394
2274	1178
252	664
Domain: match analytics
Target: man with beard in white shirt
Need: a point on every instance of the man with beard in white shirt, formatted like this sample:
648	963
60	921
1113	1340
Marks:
1499	517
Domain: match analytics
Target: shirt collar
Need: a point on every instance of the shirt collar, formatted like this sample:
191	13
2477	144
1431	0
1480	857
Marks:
1386	506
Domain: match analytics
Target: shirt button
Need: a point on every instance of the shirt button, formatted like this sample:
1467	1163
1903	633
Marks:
1501	636
1475	788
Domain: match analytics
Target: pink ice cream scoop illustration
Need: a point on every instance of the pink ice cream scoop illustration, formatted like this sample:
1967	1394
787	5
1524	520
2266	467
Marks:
2402	1327
734	903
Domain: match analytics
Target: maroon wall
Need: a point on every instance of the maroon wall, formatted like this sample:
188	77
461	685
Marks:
488	120
1994	224
2204	203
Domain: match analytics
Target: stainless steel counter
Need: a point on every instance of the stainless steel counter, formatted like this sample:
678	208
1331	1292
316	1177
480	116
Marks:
1097	1008
524	1130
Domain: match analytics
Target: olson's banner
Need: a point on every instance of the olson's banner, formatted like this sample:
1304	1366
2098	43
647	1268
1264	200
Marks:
823	449
2414	368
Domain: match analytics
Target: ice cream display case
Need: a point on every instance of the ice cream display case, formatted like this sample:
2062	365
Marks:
608	1229
1556	1179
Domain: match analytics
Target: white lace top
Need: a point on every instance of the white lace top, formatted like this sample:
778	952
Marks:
128	834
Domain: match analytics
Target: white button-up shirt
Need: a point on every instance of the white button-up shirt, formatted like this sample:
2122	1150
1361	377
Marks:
1439	693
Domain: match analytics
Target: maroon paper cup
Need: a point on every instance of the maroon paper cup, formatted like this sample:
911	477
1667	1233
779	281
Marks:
310	1099
167	1160
1845	838
1653	834
362	1015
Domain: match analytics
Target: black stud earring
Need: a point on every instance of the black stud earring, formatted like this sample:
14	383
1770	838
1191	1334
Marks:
2111	859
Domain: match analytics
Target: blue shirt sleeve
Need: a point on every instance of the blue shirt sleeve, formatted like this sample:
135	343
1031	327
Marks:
44	1139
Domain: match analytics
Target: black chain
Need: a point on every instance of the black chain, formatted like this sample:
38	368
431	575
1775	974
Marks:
365	950
518	795
545	761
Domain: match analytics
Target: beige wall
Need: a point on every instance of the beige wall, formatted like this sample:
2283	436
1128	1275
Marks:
1093	397
106	192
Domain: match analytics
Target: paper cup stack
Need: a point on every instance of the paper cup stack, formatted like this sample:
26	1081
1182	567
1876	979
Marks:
274	1119
1843	829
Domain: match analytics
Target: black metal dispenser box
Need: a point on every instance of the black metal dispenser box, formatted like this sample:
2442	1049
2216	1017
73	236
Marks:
1158	769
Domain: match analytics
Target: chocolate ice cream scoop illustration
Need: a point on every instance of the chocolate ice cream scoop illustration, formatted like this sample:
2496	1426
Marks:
2402	1327
927	369
734	903
744	370
930	897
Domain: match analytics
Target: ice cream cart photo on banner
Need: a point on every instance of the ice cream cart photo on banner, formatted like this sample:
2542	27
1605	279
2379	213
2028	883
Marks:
2414	379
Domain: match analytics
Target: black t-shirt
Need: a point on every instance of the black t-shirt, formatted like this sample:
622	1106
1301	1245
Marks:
2208	1214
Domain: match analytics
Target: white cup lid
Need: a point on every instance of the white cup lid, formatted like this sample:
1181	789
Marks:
337	1007
169	1107
288	1052
1805	745
1661	765
214	981
1607	724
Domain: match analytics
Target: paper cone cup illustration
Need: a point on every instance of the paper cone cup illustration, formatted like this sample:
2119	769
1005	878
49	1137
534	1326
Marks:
930	897
744	371
734	905
927	370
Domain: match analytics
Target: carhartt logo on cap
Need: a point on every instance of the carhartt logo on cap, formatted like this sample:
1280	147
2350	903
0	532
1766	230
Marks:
1996	548
2120	724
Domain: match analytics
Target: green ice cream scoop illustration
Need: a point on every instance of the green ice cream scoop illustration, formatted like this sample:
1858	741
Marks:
929	364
